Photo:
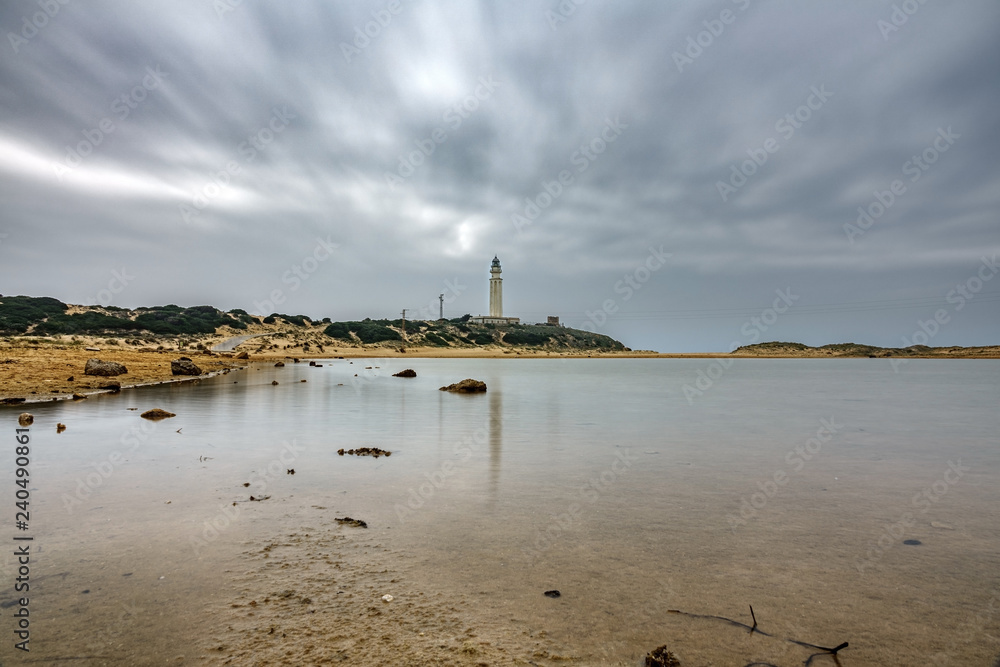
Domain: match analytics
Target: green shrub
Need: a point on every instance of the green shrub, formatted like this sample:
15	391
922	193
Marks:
525	338
18	313
435	339
368	331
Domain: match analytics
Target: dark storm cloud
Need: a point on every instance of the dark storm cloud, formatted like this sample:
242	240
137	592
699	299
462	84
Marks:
238	136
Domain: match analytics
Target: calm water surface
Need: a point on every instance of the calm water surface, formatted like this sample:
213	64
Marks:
790	485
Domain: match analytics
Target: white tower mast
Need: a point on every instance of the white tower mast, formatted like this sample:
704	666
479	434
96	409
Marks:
496	289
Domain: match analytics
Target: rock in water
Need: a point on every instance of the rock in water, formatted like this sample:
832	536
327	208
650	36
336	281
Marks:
60	427
157	414
26	419
184	366
467	386
104	368
408	373
661	657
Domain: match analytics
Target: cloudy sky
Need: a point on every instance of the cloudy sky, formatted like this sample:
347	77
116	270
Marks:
663	172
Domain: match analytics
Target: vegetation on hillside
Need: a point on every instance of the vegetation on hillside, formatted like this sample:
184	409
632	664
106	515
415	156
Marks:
43	316
778	349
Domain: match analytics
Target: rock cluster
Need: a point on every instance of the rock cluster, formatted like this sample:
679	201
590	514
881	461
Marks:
365	451
408	373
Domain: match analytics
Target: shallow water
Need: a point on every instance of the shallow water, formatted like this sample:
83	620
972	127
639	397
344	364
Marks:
789	485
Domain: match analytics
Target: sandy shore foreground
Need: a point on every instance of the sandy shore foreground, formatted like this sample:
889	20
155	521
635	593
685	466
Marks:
51	372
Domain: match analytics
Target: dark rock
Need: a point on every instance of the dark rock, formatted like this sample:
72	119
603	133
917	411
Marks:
408	373
467	386
184	366
104	368
552	594
358	523
312	363
280	364
11	401
661	657
26	419
274	382
912	543
157	414
60	427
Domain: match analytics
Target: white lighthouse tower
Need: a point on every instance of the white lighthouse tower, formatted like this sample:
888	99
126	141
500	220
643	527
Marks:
496	299
496	289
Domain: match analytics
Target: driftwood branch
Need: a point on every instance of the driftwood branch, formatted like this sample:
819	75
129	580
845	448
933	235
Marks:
823	649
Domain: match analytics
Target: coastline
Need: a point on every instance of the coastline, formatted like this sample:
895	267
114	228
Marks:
37	370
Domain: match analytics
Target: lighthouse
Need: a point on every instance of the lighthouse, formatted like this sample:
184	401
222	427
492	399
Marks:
496	289
496	299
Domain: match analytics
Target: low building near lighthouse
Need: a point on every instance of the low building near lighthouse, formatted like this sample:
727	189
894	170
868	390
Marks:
496	300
